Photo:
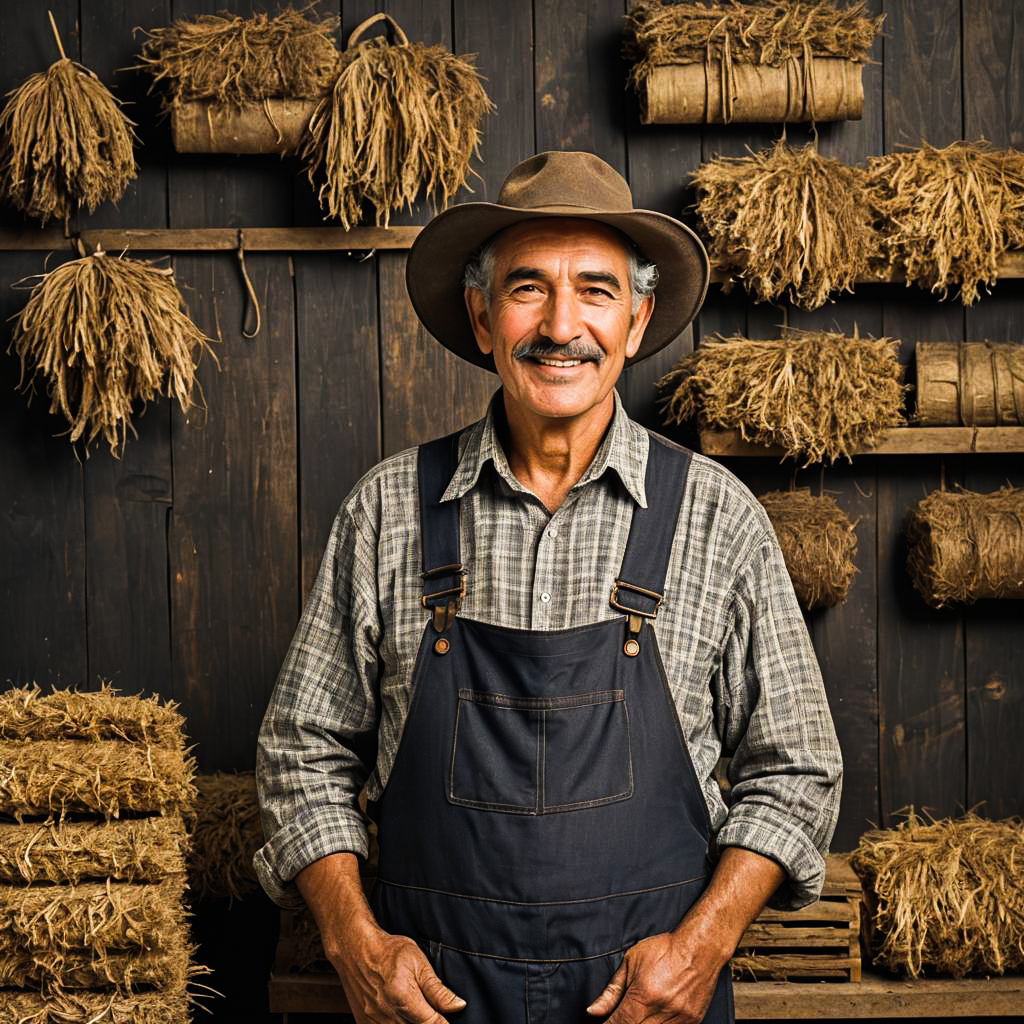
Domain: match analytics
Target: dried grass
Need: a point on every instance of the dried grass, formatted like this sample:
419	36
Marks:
169	1006
105	333
137	850
818	395
236	60
946	216
945	895
786	221
26	713
818	543
964	546
105	777
400	117
225	833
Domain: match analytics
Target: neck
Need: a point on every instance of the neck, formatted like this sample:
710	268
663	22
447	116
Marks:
548	456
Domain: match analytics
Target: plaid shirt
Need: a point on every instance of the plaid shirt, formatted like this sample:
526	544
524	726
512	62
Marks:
739	661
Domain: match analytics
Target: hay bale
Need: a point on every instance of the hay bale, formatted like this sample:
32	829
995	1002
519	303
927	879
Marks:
818	544
787	222
973	383
136	850
120	972
27	713
964	546
399	117
817	394
945	895
167	1006
225	833
104	333
241	61
947	216
101	777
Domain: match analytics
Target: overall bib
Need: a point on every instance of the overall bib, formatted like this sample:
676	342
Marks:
543	814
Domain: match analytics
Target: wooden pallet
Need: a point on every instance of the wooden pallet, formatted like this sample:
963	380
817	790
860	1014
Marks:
821	941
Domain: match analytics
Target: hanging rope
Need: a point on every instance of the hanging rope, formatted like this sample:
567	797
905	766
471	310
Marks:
254	302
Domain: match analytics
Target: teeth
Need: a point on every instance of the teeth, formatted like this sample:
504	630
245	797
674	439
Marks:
559	362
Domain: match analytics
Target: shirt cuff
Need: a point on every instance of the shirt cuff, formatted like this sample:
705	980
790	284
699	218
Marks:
770	834
312	835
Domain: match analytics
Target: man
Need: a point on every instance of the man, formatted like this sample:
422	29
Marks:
532	642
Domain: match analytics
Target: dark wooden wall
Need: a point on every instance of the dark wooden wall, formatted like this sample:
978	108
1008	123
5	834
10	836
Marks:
181	567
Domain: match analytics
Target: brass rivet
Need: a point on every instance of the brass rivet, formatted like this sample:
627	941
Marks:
631	648
441	645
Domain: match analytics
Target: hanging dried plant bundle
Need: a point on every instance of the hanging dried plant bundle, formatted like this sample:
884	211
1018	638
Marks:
965	546
946	216
400	118
106	332
239	60
818	544
817	394
225	833
64	143
136	850
165	1006
945	895
786	221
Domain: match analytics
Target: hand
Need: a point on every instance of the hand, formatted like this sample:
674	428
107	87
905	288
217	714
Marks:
665	979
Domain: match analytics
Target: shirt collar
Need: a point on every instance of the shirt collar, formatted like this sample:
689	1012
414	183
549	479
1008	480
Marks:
623	449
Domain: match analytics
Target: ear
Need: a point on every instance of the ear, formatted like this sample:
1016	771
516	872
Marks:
478	309
641	318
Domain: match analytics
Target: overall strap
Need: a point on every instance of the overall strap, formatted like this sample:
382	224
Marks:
640	586
444	578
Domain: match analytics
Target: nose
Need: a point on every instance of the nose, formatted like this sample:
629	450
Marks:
561	322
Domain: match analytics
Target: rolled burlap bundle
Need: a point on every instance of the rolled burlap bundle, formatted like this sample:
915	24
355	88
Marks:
965	546
972	384
274	126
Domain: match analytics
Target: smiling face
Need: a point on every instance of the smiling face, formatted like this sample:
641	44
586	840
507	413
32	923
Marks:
559	322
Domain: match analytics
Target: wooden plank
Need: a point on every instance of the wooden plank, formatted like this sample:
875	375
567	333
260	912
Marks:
776	935
824	911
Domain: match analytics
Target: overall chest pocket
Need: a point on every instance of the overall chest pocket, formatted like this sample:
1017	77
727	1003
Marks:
540	755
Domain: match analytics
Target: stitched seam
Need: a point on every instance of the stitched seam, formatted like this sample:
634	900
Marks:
534	960
503	700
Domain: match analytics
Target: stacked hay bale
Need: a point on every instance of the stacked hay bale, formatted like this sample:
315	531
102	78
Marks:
92	871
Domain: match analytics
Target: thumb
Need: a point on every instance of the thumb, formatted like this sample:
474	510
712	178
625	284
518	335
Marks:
609	998
440	997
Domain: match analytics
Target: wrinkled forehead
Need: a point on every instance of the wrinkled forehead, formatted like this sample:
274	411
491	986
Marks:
550	239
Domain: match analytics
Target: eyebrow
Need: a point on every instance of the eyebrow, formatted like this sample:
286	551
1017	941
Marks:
590	276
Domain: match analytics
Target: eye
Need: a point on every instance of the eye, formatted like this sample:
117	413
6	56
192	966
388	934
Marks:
524	288
601	293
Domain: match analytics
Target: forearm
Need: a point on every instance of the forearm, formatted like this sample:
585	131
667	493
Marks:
333	891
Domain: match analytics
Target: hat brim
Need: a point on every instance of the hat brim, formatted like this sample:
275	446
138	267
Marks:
437	260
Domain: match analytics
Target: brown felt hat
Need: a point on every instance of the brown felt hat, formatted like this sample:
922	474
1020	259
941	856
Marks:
554	184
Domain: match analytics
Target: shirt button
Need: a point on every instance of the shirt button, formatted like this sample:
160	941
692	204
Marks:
553	531
545	597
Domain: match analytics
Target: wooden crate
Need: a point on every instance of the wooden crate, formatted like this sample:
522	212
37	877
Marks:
821	941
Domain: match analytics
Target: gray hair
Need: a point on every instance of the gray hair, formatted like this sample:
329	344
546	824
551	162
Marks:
479	272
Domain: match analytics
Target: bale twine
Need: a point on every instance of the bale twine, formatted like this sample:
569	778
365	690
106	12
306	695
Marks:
946	216
225	833
166	1006
399	117
945	895
970	383
818	544
818	395
964	546
136	850
64	142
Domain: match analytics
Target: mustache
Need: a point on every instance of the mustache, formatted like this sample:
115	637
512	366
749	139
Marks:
545	348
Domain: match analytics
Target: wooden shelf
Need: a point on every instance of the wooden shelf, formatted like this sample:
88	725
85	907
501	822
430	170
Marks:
896	441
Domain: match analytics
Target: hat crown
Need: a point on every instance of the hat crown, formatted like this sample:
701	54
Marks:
565	179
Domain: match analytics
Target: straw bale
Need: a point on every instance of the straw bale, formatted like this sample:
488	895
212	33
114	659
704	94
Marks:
818	544
239	61
136	850
28	714
166	1006
103	776
945	895
786	221
225	833
964	546
946	216
105	333
816	394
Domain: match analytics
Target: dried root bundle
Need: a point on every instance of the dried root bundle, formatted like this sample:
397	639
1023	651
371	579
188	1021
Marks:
104	333
945	895
400	117
236	60
123	972
101	777
818	544
165	1006
786	221
136	850
816	394
225	833
27	714
946	216
965	546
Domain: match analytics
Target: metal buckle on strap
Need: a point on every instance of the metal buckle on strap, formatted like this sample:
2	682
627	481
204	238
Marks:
652	594
451	596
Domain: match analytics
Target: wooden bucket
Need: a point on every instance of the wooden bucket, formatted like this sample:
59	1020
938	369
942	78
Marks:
273	126
830	89
973	384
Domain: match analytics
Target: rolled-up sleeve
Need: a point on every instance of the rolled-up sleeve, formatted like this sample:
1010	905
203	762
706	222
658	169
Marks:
786	768
318	740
